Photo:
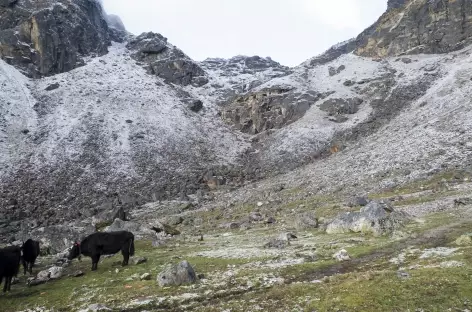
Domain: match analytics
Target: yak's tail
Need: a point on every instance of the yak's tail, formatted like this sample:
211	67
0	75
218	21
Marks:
131	247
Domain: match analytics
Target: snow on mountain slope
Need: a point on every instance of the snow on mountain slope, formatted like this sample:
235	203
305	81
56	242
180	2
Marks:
16	117
238	75
430	134
107	127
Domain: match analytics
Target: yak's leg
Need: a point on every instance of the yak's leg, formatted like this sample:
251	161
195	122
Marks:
25	265
95	260
6	287
125	252
31	267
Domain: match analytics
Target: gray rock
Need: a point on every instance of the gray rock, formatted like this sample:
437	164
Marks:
165	61
403	275
176	275
35	282
277	243
96	308
464	201
306	220
46	275
341	106
342	255
231	226
358	201
378	218
145	277
287	236
268	109
139	260
334	71
78	274
53	86
120	225
406	60
174	220
256	217
108	216
349	83
196	106
164	228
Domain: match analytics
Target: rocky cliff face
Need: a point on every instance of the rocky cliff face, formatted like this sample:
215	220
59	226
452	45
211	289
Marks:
166	61
45	37
419	26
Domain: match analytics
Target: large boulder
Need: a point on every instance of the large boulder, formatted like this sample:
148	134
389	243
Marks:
46	275
45	39
378	218
107	217
306	220
268	109
176	275
133	227
341	106
166	61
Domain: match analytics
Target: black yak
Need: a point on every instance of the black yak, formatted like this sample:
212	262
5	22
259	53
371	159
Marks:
99	243
30	252
9	265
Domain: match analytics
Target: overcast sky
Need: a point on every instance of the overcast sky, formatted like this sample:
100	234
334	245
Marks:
289	31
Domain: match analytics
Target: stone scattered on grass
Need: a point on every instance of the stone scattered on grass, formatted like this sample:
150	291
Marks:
342	255
438	252
176	275
77	274
51	273
140	260
145	277
96	308
231	226
403	275
306	220
462	201
256	216
451	264
464	240
277	243
287	236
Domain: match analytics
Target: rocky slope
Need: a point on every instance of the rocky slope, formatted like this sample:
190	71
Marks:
123	124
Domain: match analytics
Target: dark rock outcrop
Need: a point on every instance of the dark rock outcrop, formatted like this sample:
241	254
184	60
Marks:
395	4
268	109
44	38
424	26
341	106
166	61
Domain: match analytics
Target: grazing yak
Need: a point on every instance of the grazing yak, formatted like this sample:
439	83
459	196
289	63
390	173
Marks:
30	252
9	265
99	243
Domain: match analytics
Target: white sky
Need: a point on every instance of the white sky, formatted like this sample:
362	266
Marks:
289	31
